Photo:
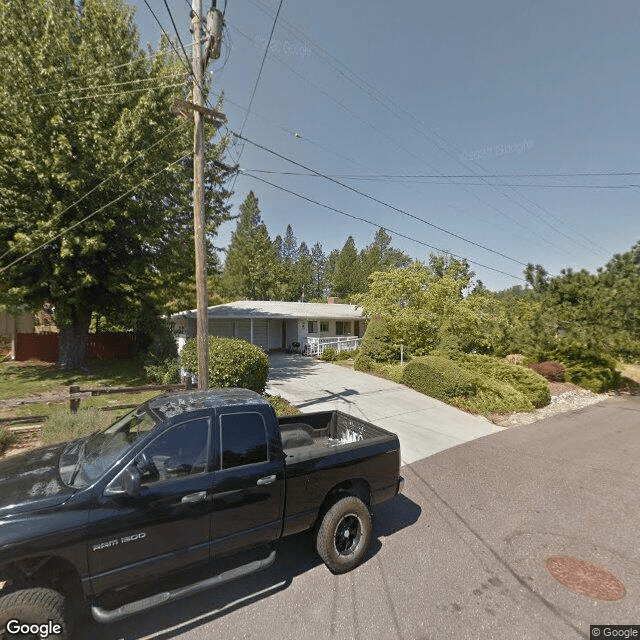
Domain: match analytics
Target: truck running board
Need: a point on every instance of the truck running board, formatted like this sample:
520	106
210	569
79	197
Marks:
102	615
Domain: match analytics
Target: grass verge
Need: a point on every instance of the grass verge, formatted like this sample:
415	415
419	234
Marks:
24	379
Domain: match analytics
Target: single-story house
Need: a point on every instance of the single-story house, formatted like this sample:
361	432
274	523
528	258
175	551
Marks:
307	327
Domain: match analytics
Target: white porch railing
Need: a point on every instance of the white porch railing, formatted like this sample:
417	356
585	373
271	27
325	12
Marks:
315	346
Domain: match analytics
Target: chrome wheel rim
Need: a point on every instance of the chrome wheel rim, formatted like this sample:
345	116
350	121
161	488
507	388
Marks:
348	534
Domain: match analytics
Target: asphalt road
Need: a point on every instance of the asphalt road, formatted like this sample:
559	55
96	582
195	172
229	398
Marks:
461	554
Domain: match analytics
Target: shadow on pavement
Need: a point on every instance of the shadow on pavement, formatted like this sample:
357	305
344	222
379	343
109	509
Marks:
284	366
295	556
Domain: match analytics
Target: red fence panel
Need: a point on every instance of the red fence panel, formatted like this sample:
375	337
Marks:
37	346
101	346
112	345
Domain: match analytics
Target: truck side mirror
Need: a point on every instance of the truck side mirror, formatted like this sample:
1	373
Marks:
131	481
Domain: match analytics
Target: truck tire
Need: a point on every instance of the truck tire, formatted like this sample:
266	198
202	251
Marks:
34	607
344	534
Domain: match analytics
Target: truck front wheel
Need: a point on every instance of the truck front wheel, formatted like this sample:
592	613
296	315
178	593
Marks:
344	534
32	613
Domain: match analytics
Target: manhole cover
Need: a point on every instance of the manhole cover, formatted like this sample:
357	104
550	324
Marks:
585	578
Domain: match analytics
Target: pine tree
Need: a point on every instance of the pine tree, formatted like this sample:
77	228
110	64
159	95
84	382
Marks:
251	266
347	278
304	275
319	264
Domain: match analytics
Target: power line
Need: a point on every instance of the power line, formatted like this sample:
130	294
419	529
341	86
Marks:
374	224
400	178
107	86
255	87
166	4
368	88
264	57
386	204
396	144
115	93
490	175
93	213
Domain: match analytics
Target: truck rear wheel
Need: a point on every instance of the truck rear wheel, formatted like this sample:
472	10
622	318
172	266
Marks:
27	612
344	534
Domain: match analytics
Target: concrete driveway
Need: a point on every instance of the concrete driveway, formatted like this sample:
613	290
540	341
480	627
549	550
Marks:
424	425
460	555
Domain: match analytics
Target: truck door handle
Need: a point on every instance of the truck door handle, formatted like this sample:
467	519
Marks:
200	496
266	480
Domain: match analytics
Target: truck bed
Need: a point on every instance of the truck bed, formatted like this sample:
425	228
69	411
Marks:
325	433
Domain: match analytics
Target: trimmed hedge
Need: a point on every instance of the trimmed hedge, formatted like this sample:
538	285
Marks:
471	387
232	363
528	382
439	378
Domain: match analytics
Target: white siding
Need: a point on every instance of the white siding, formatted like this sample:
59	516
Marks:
260	333
221	328
275	334
243	330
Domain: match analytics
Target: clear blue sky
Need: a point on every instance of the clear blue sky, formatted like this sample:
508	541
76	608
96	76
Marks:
491	88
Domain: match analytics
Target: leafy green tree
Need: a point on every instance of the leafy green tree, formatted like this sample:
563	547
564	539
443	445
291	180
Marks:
251	269
447	266
425	309
85	125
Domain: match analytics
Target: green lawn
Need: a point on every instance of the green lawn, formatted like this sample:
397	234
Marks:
25	379
31	379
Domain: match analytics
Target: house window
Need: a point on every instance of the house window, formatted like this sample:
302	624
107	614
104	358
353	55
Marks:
343	328
313	326
324	327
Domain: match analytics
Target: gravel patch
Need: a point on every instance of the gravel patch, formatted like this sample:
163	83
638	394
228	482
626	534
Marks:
567	401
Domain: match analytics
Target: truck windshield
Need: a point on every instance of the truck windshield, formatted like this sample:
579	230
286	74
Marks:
84	461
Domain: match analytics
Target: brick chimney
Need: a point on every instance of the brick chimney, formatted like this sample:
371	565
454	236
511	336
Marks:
331	300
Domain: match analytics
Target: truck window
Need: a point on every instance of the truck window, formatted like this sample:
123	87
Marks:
180	451
243	439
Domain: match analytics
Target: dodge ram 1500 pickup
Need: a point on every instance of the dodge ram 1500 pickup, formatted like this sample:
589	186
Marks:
185	481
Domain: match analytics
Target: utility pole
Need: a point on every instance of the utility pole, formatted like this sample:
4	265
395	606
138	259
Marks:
198	199
196	112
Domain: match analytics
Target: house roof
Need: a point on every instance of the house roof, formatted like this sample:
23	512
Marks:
275	309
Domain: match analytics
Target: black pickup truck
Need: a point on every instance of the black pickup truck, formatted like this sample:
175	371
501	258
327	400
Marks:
185	481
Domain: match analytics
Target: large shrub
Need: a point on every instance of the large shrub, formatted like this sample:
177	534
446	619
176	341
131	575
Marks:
439	378
522	379
377	343
458	385
493	395
586	366
232	363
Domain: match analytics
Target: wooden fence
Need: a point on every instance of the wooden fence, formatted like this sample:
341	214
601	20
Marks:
101	346
25	427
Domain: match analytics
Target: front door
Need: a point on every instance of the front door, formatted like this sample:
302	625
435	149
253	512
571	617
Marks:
284	334
248	485
166	526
